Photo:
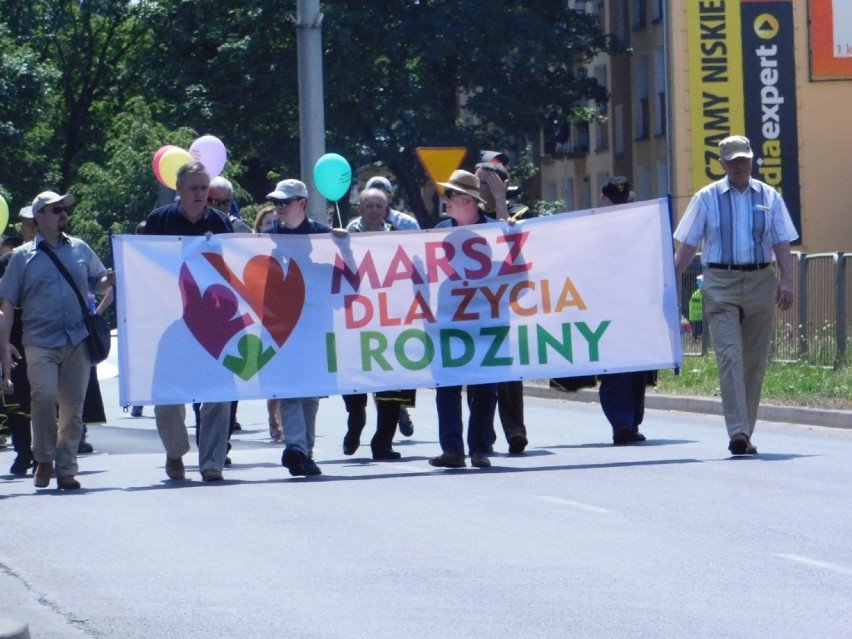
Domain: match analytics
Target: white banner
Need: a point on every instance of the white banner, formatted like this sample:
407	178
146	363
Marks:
256	317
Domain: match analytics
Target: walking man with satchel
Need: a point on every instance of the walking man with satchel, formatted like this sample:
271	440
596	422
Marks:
54	333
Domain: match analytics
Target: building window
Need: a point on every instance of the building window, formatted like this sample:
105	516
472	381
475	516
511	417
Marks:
657	5
600	180
643	118
549	192
642	112
585	193
638	11
662	179
621	31
660	91
581	144
642	185
602	134
601	128
618	130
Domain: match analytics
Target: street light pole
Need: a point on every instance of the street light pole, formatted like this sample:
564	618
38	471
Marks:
311	100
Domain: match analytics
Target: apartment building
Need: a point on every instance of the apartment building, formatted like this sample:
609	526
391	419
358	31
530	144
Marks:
779	71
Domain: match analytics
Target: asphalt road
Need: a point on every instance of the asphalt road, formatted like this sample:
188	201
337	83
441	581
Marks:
576	538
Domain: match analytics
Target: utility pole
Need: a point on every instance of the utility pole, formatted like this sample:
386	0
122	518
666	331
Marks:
311	100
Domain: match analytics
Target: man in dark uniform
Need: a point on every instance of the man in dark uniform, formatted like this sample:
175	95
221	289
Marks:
623	394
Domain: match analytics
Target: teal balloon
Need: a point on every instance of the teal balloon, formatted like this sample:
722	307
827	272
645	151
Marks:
333	176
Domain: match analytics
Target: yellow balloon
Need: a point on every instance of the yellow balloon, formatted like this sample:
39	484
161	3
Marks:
4	214
170	162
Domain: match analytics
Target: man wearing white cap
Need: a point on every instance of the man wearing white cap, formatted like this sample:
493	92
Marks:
298	414
742	224
54	333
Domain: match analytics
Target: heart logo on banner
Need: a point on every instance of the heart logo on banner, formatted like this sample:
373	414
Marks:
210	316
276	298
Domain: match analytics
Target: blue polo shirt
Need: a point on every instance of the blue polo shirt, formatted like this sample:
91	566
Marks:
307	227
168	220
52	316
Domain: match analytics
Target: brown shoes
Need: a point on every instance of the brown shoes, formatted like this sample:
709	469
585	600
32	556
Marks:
211	474
448	460
42	474
175	469
480	460
67	482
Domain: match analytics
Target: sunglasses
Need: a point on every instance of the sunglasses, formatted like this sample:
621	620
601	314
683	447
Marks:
449	195
56	210
286	202
216	202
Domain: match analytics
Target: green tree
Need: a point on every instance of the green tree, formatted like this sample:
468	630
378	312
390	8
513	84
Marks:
118	192
24	85
397	76
86	43
464	73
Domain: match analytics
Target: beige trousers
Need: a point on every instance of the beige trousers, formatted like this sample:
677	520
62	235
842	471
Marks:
58	379
740	309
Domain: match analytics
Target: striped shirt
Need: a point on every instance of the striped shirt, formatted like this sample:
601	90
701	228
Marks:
735	227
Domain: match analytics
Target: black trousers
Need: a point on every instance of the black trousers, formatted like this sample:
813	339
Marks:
387	415
510	407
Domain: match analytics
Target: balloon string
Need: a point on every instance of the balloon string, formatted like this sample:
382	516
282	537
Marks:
339	220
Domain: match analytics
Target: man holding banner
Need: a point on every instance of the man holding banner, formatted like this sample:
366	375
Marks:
191	216
741	223
298	414
462	199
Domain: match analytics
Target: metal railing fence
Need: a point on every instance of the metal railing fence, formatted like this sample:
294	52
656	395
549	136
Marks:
815	330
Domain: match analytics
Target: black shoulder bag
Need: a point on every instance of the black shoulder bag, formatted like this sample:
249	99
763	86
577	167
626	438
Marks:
98	341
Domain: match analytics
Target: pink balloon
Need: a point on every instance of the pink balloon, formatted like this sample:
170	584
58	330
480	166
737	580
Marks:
209	150
155	163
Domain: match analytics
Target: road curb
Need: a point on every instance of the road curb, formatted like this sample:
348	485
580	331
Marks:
708	406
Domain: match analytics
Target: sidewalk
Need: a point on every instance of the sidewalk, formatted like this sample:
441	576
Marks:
706	405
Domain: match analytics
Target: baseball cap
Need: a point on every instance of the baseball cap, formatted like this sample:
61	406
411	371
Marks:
379	182
47	198
286	189
494	157
617	189
735	146
26	213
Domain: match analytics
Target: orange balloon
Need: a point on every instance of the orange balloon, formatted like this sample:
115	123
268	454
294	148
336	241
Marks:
155	163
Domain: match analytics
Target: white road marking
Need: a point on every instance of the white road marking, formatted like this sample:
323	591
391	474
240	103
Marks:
815	563
574	504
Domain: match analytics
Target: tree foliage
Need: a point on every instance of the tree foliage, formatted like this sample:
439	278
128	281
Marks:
93	87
